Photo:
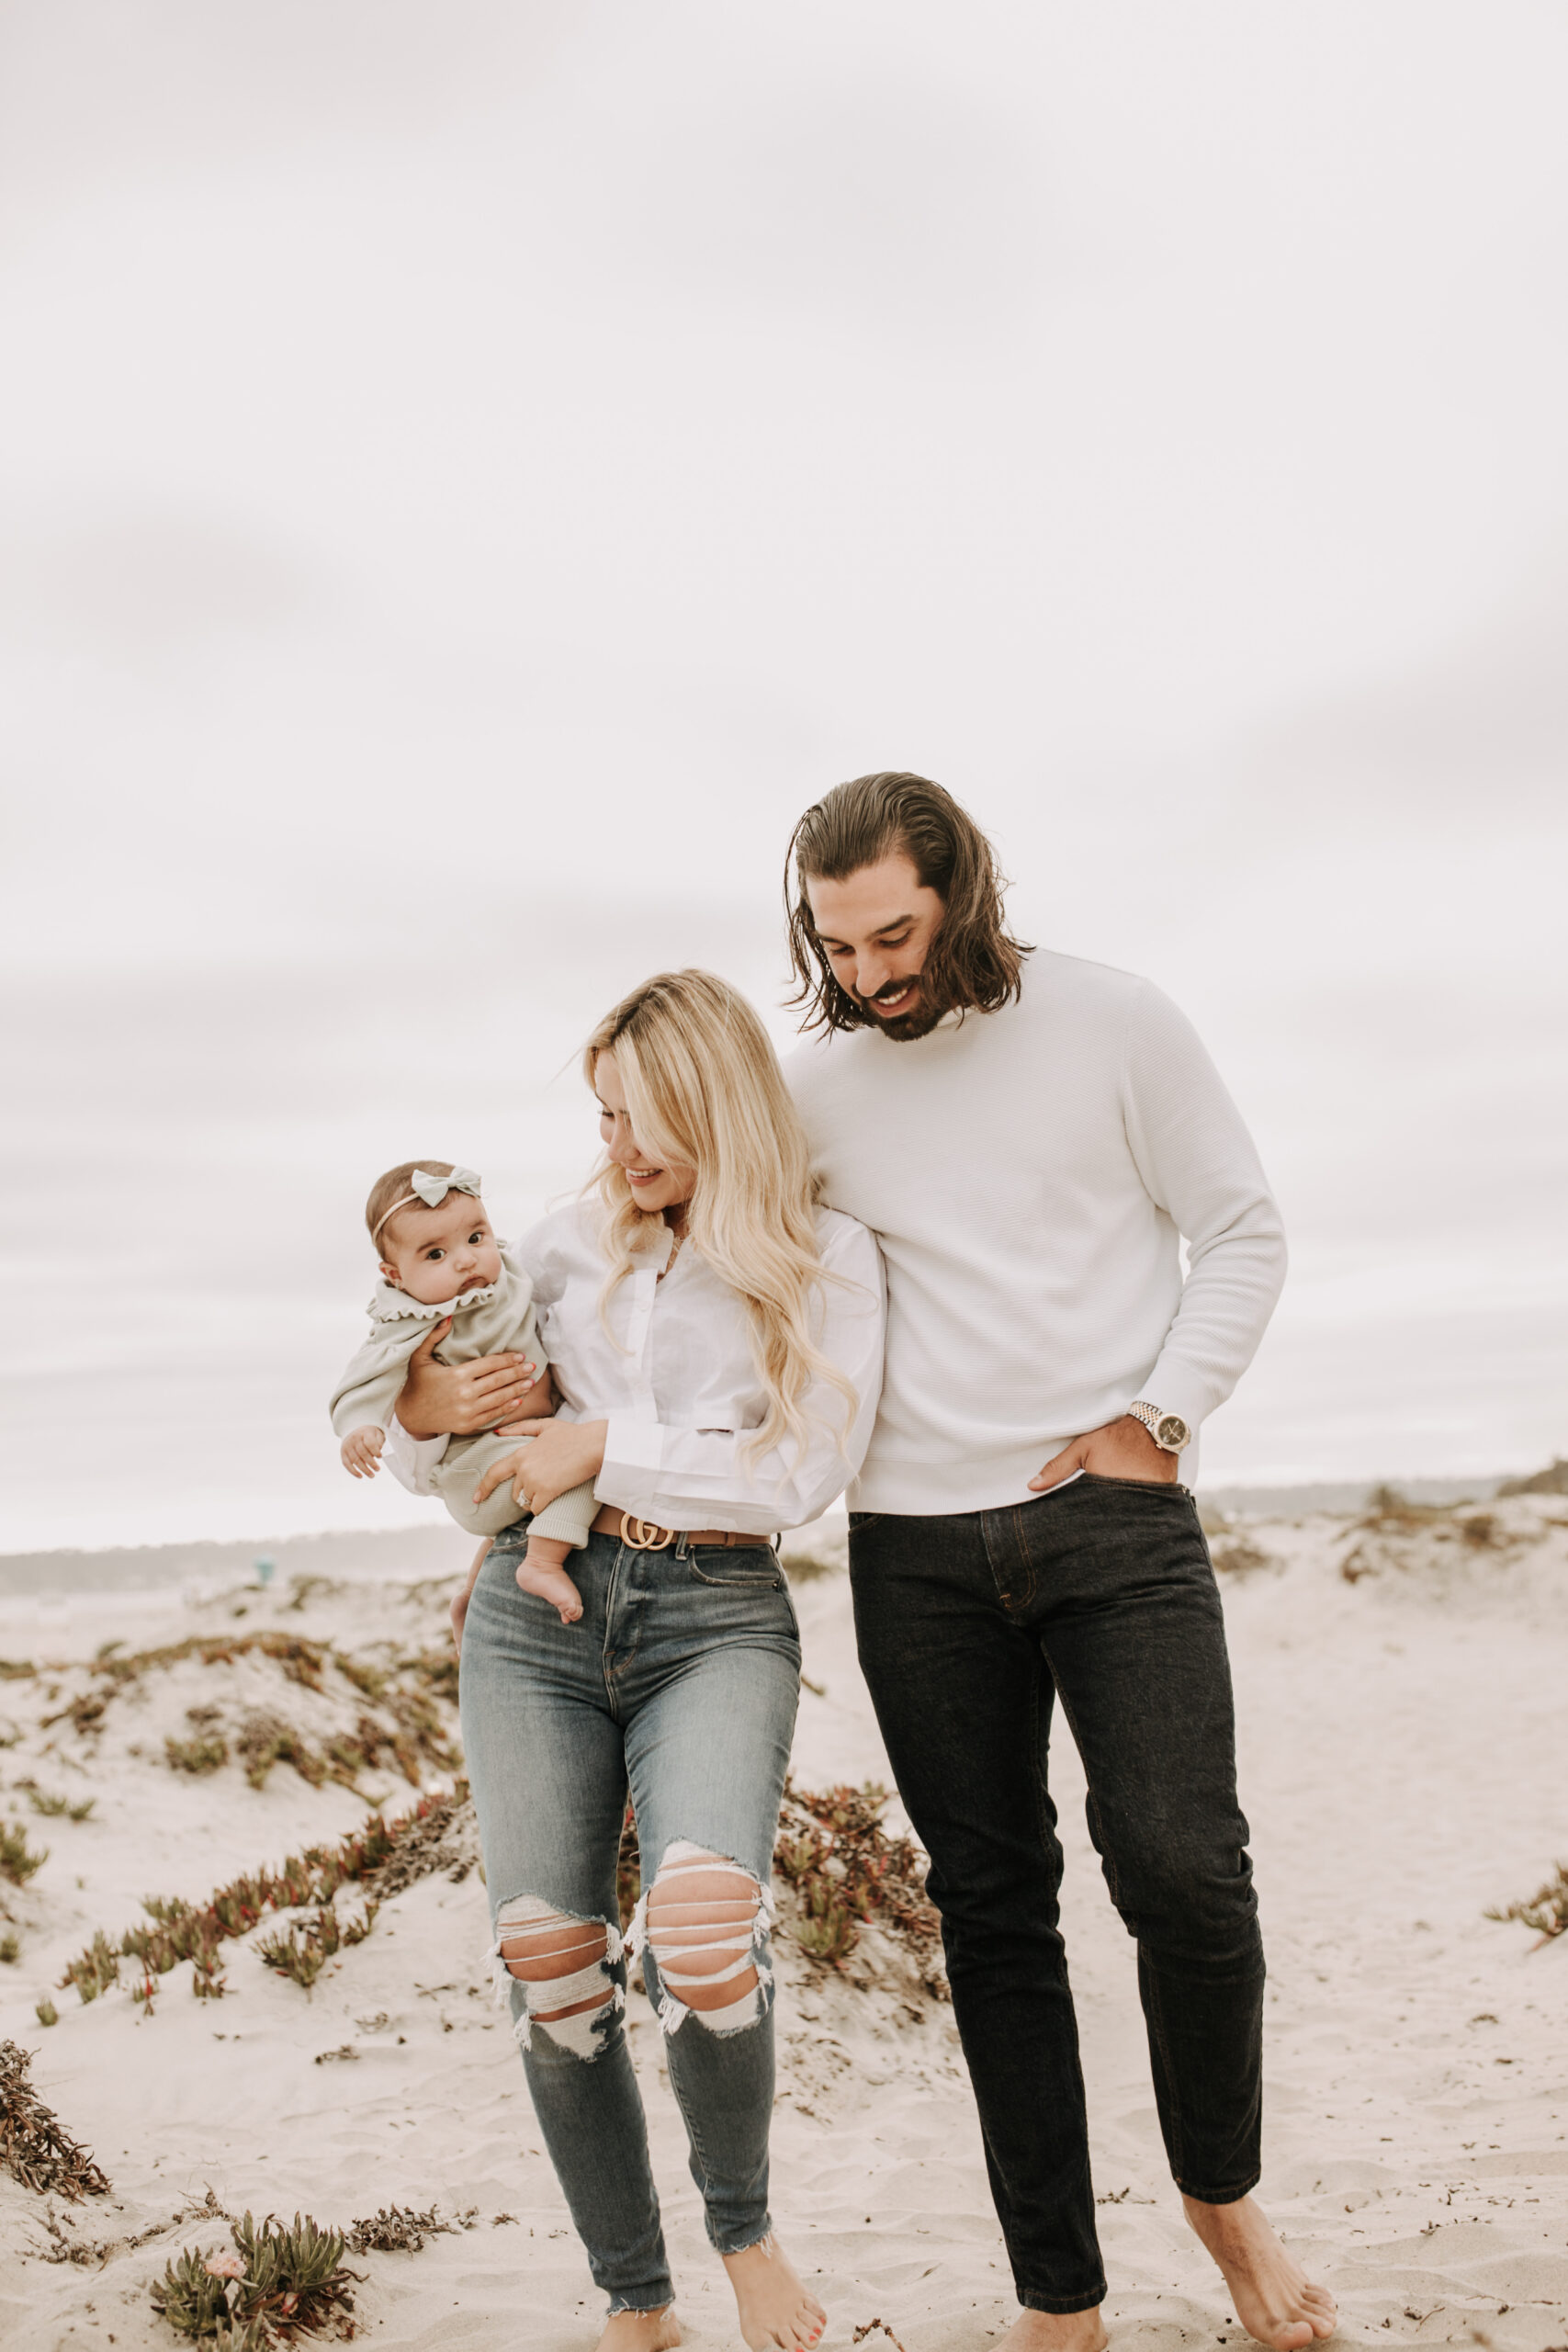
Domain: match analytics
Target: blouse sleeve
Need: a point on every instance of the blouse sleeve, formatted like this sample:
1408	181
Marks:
412	1460
694	1477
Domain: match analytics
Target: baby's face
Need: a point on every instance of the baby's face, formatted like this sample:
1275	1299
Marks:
437	1254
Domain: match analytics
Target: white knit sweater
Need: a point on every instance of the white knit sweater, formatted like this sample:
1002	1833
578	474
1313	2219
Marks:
1031	1175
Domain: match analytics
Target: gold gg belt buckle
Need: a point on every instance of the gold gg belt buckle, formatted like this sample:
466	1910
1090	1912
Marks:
645	1534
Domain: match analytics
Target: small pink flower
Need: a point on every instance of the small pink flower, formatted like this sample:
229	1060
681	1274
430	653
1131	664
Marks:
224	2266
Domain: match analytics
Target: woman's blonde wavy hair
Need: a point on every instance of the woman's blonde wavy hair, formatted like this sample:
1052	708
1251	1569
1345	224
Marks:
704	1089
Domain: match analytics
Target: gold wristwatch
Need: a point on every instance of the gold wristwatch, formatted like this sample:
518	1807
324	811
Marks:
1169	1431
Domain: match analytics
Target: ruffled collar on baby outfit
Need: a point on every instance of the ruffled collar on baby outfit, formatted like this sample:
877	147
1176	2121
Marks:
389	1305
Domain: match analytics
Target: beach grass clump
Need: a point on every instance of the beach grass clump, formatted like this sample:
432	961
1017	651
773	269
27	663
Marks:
1386	1508
628	1868
46	2012
1238	1555
207	1752
276	2283
302	1661
1552	1480
17	1669
845	1871
35	2147
302	1951
49	1802
265	1740
1388	1512
10	1947
406	1734
804	1568
380	1857
84	1712
1546	1911
94	1971
841	1867
17	1861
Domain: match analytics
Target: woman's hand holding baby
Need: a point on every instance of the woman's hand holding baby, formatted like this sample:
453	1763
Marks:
562	1455
458	1401
360	1452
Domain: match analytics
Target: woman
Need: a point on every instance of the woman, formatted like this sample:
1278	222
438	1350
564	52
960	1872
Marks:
716	1337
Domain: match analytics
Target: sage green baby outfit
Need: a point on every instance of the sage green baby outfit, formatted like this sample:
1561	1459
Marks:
484	1323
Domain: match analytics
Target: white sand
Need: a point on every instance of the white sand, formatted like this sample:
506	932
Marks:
1402	1764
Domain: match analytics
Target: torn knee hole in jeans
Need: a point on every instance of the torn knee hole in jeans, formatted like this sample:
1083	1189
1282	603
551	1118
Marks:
563	1964
706	1921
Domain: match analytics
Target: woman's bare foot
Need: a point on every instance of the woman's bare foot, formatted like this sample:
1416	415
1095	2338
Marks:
777	2313
1056	2331
641	2331
1275	2301
551	1584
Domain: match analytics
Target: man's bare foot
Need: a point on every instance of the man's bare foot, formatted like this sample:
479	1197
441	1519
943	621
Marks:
641	2331
1056	2331
777	2313
1275	2301
551	1584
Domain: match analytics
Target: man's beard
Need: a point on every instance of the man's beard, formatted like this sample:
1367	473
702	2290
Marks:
904	1028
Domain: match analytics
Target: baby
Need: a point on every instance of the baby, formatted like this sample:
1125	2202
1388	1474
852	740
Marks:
439	1259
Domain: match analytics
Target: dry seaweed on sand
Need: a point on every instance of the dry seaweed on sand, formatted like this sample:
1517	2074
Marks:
399	2229
35	2147
276	2283
381	1857
1547	1910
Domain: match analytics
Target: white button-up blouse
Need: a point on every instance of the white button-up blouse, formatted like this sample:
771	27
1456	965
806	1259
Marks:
675	1379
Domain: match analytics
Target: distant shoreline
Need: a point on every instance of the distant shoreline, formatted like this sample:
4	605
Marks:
441	1549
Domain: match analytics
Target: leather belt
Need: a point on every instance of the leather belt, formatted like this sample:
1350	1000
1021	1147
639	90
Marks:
646	1535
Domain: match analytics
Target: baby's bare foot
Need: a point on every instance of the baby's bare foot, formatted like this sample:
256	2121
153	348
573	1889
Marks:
1275	2301
641	2331
777	2313
551	1584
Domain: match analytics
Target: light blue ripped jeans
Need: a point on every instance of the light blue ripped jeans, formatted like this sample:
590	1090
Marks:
680	1682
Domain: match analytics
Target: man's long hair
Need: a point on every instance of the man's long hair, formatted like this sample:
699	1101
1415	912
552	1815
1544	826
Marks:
974	964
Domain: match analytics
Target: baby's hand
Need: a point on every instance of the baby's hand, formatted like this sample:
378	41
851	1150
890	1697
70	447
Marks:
360	1452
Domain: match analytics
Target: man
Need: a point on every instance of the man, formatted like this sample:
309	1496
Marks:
1031	1137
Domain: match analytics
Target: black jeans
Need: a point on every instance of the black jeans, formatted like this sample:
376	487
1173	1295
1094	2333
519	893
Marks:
969	1628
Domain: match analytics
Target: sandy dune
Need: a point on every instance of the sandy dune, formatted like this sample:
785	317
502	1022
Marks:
1401	1768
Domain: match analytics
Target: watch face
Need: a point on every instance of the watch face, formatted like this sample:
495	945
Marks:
1171	1432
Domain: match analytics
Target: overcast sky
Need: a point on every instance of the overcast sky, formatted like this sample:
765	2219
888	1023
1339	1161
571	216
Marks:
470	474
